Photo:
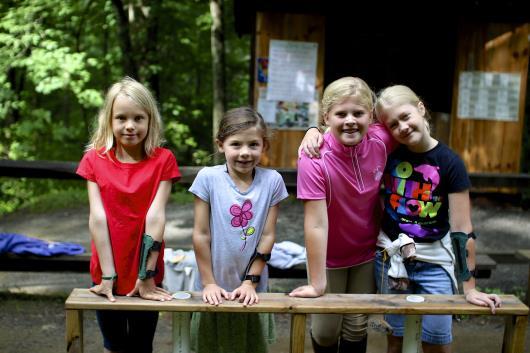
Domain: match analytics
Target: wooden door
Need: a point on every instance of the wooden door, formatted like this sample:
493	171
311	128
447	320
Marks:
487	144
286	26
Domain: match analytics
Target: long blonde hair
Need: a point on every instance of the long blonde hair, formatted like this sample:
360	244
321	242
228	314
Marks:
346	87
103	138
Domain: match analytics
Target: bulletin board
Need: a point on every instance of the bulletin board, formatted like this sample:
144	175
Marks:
288	61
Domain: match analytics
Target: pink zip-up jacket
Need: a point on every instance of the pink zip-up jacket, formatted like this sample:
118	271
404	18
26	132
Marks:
348	177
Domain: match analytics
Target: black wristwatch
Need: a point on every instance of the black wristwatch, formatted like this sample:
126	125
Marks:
252	278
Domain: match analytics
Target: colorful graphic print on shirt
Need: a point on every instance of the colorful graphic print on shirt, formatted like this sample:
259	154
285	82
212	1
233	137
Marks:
411	197
241	216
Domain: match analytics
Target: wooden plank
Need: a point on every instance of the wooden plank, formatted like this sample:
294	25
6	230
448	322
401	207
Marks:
297	342
66	170
74	331
61	263
281	303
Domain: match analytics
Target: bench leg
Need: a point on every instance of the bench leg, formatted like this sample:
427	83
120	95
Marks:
514	334
528	288
181	332
297	333
74	331
412	335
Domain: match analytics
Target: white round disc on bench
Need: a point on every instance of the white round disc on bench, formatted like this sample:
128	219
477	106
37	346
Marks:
181	295
415	298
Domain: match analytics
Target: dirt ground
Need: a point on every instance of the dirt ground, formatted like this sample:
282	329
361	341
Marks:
32	303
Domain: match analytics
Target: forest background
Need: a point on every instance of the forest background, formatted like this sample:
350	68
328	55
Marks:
58	58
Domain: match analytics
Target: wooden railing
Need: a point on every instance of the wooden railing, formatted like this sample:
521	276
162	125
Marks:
512	309
66	170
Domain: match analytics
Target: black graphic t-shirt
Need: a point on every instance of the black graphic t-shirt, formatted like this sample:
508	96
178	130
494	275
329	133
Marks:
416	188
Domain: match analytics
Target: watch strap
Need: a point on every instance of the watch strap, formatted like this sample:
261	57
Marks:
253	278
110	278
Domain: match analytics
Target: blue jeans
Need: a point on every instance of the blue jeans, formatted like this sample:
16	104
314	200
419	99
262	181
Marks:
425	278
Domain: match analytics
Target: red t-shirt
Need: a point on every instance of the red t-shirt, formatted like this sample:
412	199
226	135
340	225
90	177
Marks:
127	191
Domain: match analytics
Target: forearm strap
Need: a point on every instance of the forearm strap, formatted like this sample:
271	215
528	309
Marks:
459	241
255	255
148	245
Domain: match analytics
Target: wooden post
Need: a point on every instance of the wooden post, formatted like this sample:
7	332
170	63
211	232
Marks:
524	254
297	333
74	331
412	335
181	332
514	334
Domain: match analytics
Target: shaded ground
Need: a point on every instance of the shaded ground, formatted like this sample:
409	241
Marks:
35	323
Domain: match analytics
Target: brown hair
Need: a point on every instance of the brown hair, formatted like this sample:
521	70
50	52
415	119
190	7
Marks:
239	119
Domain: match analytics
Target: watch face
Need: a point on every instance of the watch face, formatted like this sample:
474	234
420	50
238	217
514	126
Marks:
253	278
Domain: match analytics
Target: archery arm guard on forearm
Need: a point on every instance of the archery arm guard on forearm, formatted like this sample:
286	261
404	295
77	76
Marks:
148	245
459	242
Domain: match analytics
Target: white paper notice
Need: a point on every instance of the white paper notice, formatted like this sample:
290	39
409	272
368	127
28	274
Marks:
292	71
488	95
266	108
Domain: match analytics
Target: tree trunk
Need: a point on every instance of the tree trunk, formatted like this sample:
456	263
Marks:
152	47
218	64
129	65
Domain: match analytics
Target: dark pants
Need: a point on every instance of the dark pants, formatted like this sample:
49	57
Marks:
128	331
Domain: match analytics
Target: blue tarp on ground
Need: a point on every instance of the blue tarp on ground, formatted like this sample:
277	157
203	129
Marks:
20	244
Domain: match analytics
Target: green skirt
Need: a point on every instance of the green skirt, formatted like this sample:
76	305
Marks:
232	332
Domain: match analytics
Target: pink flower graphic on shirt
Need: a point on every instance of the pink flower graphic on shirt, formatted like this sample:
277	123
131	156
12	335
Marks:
241	217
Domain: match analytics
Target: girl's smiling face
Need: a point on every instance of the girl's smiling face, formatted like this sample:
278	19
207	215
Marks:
407	124
242	151
348	121
130	123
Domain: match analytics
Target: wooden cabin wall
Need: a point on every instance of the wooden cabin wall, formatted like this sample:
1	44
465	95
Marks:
286	26
489	145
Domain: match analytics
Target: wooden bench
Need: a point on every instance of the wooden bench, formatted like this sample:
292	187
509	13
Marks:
80	263
513	310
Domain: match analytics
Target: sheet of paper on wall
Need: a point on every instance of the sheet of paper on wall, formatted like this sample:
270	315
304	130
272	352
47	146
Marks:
488	95
266	108
292	71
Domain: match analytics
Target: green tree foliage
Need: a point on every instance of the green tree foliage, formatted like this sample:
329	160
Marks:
57	58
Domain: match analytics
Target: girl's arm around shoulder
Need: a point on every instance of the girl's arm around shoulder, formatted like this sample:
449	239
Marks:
246	292
97	223
460	221
311	143
380	132
212	293
155	222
